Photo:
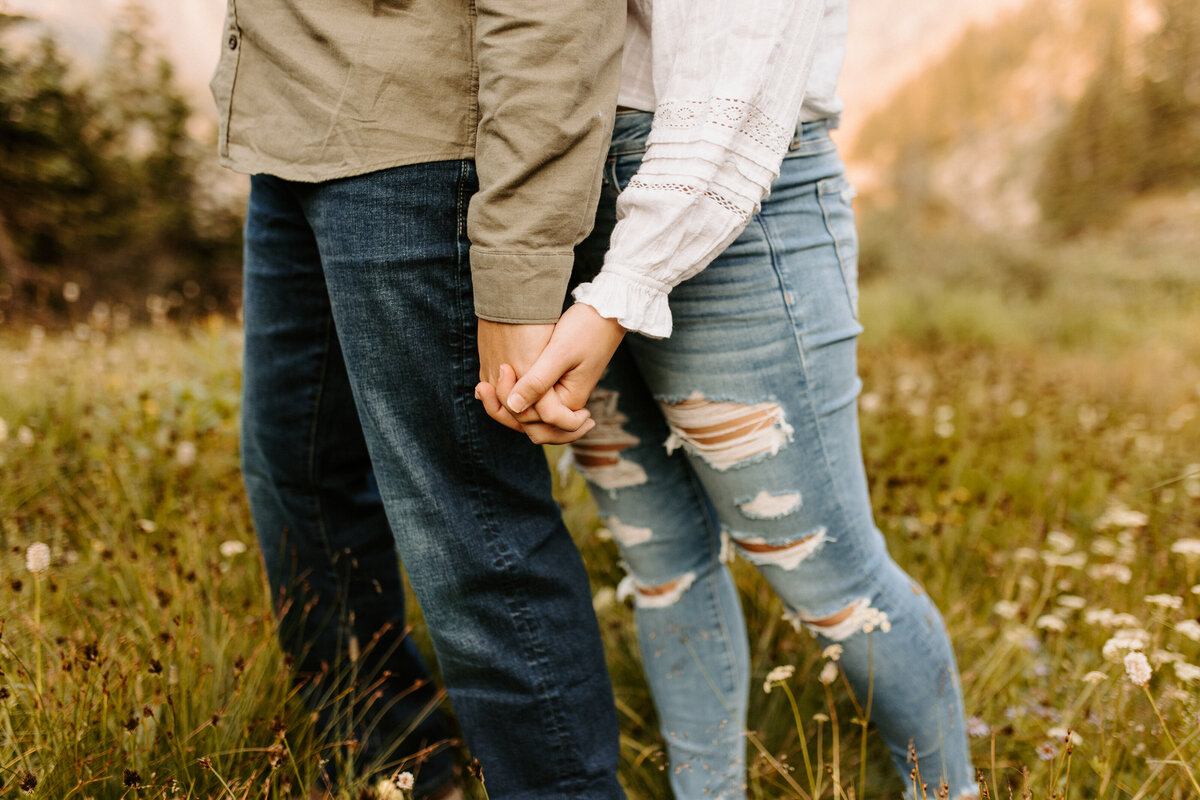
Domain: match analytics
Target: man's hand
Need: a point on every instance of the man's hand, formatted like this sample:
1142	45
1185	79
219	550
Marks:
518	346
563	375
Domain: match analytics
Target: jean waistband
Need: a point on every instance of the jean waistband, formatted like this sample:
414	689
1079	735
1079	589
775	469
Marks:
632	127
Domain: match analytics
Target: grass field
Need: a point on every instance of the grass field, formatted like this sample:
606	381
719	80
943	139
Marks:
1031	426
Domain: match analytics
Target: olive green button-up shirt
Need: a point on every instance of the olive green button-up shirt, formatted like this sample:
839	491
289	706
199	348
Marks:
313	90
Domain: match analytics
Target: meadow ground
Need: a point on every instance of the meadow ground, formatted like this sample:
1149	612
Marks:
1031	426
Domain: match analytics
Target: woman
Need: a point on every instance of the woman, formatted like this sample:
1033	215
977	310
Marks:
747	374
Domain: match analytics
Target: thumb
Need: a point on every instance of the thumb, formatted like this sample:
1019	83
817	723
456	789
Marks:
538	379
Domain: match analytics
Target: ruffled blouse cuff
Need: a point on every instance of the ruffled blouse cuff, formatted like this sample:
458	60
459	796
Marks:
638	302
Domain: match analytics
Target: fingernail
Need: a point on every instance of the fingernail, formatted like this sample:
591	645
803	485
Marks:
517	403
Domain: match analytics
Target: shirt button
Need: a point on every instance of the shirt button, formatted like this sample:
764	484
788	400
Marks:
233	42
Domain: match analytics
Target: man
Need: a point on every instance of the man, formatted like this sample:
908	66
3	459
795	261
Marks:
417	163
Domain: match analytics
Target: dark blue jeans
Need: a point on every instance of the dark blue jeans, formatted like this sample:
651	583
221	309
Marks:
360	366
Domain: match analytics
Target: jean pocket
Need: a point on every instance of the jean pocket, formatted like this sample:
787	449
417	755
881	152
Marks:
836	196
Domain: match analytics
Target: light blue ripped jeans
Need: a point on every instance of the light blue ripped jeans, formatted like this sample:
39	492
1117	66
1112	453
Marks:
754	397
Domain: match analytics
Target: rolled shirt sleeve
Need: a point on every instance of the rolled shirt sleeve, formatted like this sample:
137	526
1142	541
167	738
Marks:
548	75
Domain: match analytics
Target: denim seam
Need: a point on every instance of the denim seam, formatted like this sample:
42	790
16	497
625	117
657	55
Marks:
837	245
714	553
314	435
535	651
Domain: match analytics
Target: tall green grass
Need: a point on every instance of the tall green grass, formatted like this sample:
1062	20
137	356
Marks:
1031	426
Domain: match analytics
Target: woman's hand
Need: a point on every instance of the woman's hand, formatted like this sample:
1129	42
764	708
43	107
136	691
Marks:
564	374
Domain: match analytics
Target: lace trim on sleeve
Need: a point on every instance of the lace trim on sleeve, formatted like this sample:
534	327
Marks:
740	116
741	211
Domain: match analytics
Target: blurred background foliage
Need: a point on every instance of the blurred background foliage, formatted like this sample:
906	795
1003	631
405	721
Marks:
1051	123
101	180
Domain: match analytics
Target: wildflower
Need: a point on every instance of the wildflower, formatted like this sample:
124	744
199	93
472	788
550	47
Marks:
833	652
829	673
1118	572
1065	735
1165	600
1123	642
1189	628
1018	408
37	558
1119	515
1046	751
604	598
1006	608
70	291
1094	677
976	727
1160	657
1103	546
777	675
1025	554
1137	668
874	618
944	430
1068	560
1060	542
276	754
1071	601
870	402
1187	672
185	454
25	436
1184	547
1050	622
231	548
403	781
820	717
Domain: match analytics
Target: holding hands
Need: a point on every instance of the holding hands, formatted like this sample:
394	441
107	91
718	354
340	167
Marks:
537	378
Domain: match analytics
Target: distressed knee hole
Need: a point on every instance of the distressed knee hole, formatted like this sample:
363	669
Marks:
858	617
788	555
655	595
597	456
725	434
765	505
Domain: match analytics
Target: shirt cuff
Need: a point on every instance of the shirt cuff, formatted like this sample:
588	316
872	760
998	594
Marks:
637	302
522	288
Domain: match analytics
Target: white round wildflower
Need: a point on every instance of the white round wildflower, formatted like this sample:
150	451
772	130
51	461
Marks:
1064	734
231	548
1119	515
1024	554
833	652
1060	542
70	291
1068	560
25	436
1050	622
605	598
1189	628
1046	751
1165	600
1006	608
404	781
873	618
1160	657
1094	677
829	673
1103	546
1187	672
185	453
870	402
1138	668
977	727
1184	547
1071	601
820	717
777	675
1123	642
37	558
944	430
1117	572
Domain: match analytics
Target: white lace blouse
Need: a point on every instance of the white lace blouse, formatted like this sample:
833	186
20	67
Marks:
728	81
